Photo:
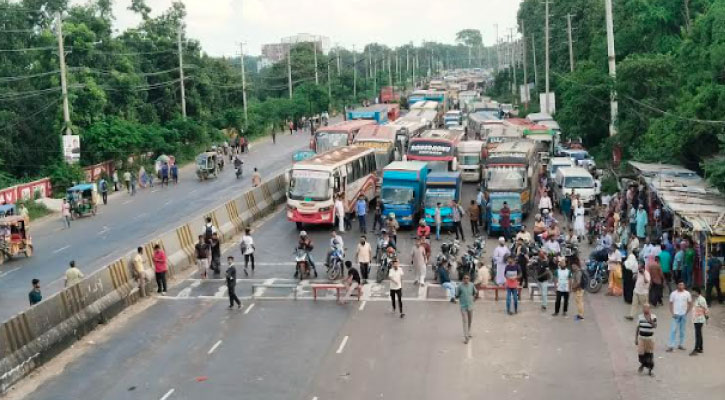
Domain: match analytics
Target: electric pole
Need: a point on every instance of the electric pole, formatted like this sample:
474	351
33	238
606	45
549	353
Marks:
415	66
390	73
536	71
338	60
244	82
354	74
181	72
612	66
571	46
314	50
63	82
546	63
526	74
498	50
289	69
512	46
329	87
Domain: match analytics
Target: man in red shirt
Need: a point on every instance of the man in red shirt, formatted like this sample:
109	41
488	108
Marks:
512	273
160	268
505	220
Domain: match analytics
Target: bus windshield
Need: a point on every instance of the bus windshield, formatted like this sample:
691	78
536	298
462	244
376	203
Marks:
514	203
443	196
309	185
330	140
579	182
509	178
397	196
473	159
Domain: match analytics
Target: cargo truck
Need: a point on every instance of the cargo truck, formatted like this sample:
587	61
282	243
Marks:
402	190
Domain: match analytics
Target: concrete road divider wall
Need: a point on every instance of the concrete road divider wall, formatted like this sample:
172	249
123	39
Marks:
31	338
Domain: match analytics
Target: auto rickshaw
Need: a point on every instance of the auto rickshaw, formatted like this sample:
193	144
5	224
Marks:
207	165
14	237
83	200
7	210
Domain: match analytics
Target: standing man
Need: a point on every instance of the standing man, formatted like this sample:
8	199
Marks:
216	253
545	203
231	280
466	294
666	265
641	221
35	296
543	276
457	214
378	215
565	207
481	201
65	212
562	281
160	268
340	213
418	261
364	254
175	173
658	280
202	256
641	291
505	220
73	275
396	286
256	178
103	185
512	273
393	226
274	136
688	266
474	213
438	220
127	181
714	265
247	247
644	339
700	316
445	281
632	217
678	262
500	254
139	271
361	208
115	181
576	287
680	306
165	175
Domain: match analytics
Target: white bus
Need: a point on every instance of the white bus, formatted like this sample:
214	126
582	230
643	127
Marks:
314	183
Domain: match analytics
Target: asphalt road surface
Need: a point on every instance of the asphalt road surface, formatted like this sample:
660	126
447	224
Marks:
127	222
188	345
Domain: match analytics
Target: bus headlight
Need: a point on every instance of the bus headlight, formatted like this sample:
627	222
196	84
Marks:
325	209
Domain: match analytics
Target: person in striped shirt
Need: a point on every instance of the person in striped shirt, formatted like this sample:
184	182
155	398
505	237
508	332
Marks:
644	339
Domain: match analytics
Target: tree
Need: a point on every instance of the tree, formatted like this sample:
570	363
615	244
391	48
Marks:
469	37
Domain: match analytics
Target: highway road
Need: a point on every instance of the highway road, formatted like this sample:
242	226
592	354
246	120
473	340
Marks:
127	222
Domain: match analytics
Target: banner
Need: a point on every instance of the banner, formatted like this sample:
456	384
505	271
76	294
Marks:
552	103
71	148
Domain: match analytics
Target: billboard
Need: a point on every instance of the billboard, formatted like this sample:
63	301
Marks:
552	103
71	148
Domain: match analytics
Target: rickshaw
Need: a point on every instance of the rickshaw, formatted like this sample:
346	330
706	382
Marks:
207	165
7	210
83	200
14	237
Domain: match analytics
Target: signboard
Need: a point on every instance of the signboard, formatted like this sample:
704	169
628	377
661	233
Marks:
71	148
525	93
434	149
552	103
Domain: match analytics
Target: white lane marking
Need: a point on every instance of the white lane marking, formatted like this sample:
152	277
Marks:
127	201
155	190
314	398
362	305
8	272
221	291
469	350
185	292
214	347
104	230
251	306
61	249
260	290
342	345
168	394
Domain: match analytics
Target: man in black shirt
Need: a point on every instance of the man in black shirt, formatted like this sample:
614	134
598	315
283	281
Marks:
352	282
231	280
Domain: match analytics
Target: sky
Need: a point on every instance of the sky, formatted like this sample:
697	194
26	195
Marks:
221	25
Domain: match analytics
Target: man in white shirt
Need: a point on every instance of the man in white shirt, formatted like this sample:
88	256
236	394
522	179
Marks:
552	246
545	203
395	275
364	255
499	257
247	247
340	213
641	291
524	235
680	306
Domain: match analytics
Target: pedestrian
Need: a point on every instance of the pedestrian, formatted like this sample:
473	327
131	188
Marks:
680	306
580	227
65	213
522	260
614	263
165	175
352	282
512	273
202	256
216	253
666	265
73	275
438	220
127	181
378	215
115	181
364	255
274	137
641	222
340	213
392	226
631	266
139	271
423	230
505	220
247	248
175	173
700	315
543	276
395	275
565	207
678	262
291	127
657	283
361	208
688	266
500	254
545	205
466	294
160	268
642	283
418	260
644	339
230	276
35	296
445	281
714	265
133	184
103	186
562	281
457	214
578	290
256	178
481	201
473	214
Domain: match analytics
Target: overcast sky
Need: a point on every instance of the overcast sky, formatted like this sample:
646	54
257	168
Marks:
221	24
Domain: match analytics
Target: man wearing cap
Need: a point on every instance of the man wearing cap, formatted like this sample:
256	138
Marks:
499	258
393	226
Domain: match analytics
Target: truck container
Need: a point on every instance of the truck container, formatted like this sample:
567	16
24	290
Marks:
402	190
441	187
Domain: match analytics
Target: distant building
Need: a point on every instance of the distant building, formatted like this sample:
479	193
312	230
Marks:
263	63
275	52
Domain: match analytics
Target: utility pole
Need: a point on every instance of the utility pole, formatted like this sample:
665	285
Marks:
390	73
415	66
571	46
370	63
612	66
329	87
244	82
375	77
512	45
338	60
546	63
181	72
354	74
289	69
63	82
536	71
498	50
526	74
314	50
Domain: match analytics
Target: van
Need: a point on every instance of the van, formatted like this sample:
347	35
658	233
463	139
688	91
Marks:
558	162
577	180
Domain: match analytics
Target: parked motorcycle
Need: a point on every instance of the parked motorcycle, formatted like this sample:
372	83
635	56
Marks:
447	256
468	266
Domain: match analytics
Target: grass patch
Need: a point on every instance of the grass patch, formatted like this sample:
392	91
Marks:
35	209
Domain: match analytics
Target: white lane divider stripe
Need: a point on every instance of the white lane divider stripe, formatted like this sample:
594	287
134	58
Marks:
342	345
214	347
168	394
362	305
251	306
61	249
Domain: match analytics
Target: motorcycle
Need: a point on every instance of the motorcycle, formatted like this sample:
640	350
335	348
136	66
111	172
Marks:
597	273
238	171
447	255
594	229
380	247
468	265
302	267
334	269
386	260
479	247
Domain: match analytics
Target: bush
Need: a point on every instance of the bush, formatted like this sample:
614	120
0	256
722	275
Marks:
35	209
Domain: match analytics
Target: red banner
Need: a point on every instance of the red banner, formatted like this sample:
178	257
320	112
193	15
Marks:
94	172
26	191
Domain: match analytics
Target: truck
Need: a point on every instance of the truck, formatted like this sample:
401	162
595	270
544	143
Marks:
402	190
441	187
470	160
389	94
377	113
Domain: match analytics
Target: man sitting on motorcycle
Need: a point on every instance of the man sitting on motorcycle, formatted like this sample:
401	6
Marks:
238	162
305	243
552	246
524	235
336	244
539	228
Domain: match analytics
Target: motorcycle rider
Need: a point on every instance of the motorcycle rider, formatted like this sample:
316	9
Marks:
305	243
238	165
336	244
552	246
522	259
524	235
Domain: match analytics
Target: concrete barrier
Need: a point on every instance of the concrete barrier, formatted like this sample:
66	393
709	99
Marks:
31	338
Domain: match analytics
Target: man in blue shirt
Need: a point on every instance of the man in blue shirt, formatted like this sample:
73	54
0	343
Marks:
361	208
445	281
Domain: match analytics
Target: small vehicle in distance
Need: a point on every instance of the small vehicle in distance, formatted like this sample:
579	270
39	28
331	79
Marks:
83	200
207	165
14	237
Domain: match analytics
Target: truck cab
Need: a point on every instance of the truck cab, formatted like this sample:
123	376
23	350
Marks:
470	160
403	189
575	180
441	187
496	200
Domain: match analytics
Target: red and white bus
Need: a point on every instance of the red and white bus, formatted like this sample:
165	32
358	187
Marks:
337	135
314	183
438	147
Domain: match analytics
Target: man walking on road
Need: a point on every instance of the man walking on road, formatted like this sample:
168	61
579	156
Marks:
35	296
139	271
115	181
364	255
247	247
202	256
466	294
73	275
340	213
396	286
419	263
231	280
499	258
361	208
680	306
700	315
103	186
644	339
127	181
714	265
457	214
578	290
505	220
438	220
641	290
563	283
474	213
256	178
65	212
512	273
160	268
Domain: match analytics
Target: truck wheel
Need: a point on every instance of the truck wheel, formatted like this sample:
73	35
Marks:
28	251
